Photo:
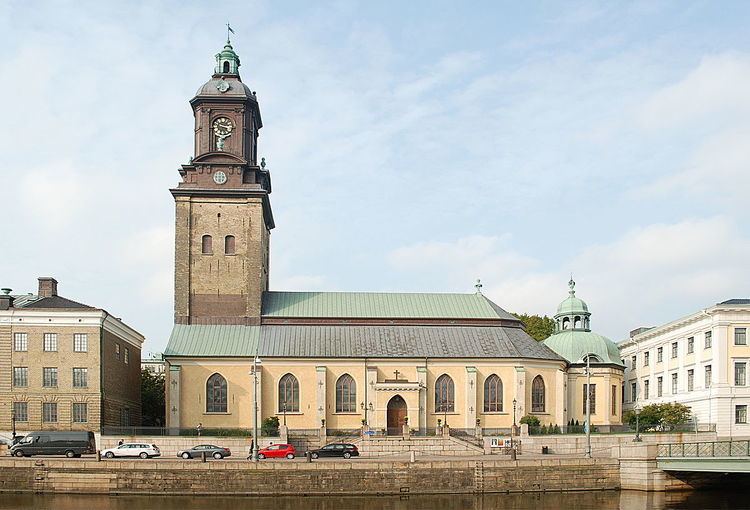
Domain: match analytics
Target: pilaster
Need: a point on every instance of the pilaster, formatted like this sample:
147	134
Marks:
560	400
320	372
471	397
519	391
373	419
422	380
173	400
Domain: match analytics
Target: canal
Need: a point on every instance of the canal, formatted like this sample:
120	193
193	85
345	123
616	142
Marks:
604	500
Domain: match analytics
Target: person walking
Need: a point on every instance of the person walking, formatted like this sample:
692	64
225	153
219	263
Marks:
252	447
199	428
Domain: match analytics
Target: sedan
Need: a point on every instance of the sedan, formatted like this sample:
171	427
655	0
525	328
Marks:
345	450
277	451
196	452
142	450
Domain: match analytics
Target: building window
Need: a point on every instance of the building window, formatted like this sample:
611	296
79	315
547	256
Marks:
614	399
80	377
49	377
80	412
537	395
674	349
125	417
444	394
646	385
49	412
127	356
740	336
20	342
707	340
691	379
346	394
207	245
20	377
660	354
708	376
80	342
646	358
117	351
592	398
493	394
691	345
229	245
216	394
740	373
633	391
21	411
740	414
674	384
289	393
659	386
50	342
633	360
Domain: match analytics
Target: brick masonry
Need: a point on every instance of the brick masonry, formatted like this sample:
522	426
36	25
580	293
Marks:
321	478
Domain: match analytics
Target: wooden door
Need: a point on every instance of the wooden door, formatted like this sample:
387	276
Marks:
396	415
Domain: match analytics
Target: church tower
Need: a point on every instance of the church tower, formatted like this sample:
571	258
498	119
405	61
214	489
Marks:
223	213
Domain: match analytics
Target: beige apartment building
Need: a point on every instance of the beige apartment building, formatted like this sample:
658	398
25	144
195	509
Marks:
65	365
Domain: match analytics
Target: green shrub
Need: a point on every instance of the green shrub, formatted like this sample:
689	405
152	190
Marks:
531	421
270	427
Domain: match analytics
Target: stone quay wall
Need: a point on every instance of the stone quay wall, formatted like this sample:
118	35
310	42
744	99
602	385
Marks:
317	478
601	444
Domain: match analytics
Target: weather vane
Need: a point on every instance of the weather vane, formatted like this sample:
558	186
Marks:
229	29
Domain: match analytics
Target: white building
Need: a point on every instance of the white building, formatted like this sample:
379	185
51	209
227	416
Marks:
154	363
700	360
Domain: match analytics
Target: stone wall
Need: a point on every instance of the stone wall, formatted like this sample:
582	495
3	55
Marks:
432	445
324	478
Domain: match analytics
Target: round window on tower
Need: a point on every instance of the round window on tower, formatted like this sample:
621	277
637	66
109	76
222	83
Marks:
220	177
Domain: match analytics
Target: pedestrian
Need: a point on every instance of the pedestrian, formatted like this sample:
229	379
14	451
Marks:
199	428
120	442
252	447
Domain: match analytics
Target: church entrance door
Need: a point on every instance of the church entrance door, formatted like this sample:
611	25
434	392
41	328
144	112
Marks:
396	415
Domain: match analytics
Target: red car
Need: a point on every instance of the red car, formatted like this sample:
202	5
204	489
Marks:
277	451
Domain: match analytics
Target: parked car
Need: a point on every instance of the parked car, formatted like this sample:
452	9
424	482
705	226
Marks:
277	451
142	450
196	452
345	450
71	444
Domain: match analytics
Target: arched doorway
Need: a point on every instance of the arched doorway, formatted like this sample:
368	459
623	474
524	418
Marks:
396	415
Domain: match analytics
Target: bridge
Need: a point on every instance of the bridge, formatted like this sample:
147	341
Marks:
705	457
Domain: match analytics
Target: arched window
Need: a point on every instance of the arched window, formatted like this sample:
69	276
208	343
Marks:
537	395
207	247
216	394
444	394
229	245
346	394
289	394
577	322
226	67
566	323
493	394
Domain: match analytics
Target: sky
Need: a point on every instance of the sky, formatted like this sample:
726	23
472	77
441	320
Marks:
413	146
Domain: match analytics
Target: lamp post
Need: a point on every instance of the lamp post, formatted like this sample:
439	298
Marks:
588	406
512	431
13	420
256	362
283	410
637	438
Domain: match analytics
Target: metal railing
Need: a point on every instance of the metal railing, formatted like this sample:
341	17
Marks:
739	448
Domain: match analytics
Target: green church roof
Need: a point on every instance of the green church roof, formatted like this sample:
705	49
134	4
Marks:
575	345
381	305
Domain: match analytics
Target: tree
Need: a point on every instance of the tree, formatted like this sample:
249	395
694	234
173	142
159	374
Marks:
536	326
659	416
152	399
530	420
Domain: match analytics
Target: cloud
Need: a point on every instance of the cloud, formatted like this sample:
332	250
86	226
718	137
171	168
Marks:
648	275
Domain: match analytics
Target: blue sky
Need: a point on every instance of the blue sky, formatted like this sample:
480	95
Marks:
414	146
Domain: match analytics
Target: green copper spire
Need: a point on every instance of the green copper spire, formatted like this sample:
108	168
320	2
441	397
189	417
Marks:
227	61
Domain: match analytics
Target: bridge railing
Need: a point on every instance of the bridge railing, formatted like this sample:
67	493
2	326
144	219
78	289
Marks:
739	448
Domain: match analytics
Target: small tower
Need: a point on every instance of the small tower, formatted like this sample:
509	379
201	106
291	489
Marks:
573	313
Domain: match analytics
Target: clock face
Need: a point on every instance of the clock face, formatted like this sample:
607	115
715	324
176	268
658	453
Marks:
223	126
220	177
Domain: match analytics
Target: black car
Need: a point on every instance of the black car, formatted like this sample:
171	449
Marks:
196	452
71	444
345	450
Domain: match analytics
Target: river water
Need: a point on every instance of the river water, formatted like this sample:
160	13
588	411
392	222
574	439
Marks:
603	500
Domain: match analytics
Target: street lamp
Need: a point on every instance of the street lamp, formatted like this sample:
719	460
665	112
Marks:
256	362
588	406
514	418
283	409
637	438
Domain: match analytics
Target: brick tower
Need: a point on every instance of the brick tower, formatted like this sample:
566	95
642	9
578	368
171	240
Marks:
223	213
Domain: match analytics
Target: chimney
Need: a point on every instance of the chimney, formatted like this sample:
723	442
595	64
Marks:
47	287
6	300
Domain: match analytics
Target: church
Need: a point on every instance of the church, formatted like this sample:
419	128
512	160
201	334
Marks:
343	360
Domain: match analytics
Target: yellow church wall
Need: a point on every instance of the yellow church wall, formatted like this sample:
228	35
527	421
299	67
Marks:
344	420
273	371
549	376
604	379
